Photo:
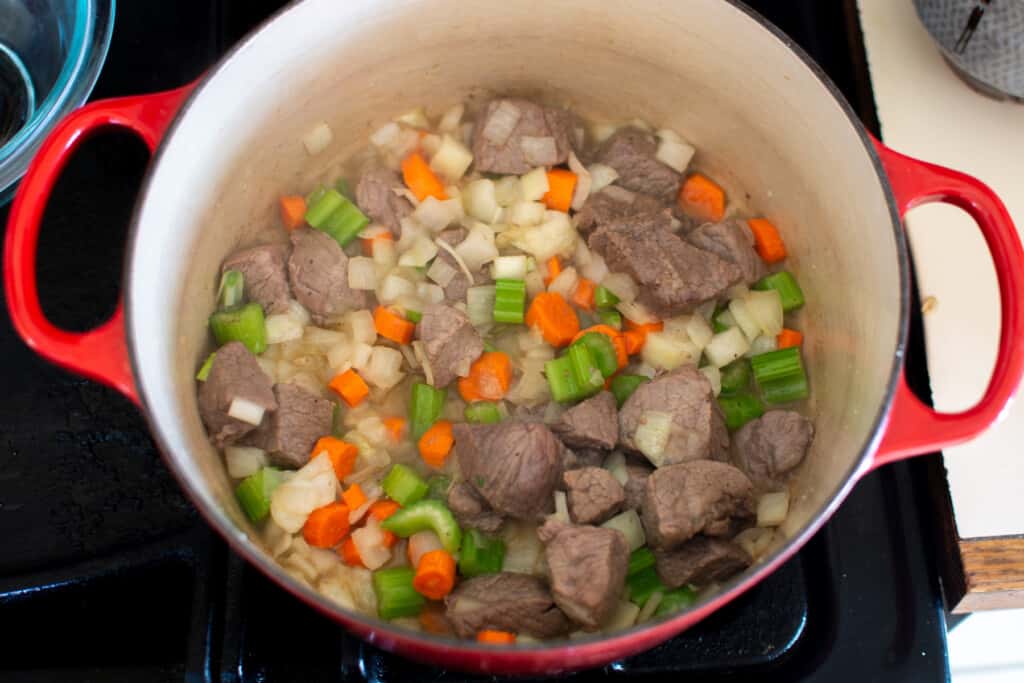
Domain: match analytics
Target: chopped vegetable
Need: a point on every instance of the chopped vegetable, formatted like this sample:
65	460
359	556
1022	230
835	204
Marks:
767	240
561	185
350	387
383	509
451	159
489	379
244	324
603	351
780	375
641	585
231	290
341	453
636	334
623	386
321	205
345	223
480	555
318	138
493	637
785	284
423	515
204	369
628	523
613	319
419	178
403	486
435	575
735	377
246	411
350	553
652	435
395	427
562	380
326	526
554	267
675	600
727	346
772	508
396	596
588	375
509	300
640	559
740	409
509	267
436	443
392	326
554	317
354	497
370	242
584	294
604	298
293	211
426	406
421	543
482	412
788	338
703	198
438	486
254	492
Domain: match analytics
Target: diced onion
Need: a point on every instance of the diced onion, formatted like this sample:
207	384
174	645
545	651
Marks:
727	346
360	327
522	548
421	355
772	508
369	542
652	435
386	135
480	304
431	294
246	411
628	523
601	176
565	283
430	144
534	184
714	376
583	182
539	151
636	312
534	283
282	327
441	272
741	314
675	155
480	201
421	543
318	138
422	251
313	486
766	308
755	540
699	331
506	190
668	351
436	215
339	357
762	344
502	121
647	611
595	269
525	213
362	273
509	267
393	287
452	159
356	515
384	368
602	131
385	253
561	507
621	285
416	118
243	461
361	355
321	338
451	118
478	248
555	236
622	616
458	259
616	465
372	427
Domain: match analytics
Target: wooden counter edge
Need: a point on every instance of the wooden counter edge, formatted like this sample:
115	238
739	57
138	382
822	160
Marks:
993	572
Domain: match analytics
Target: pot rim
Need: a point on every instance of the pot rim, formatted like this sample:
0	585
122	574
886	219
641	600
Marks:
560	655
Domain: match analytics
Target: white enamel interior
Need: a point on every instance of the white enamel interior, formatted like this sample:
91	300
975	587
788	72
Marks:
763	122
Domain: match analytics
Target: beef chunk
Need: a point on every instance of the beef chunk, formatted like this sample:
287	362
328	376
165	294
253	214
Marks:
471	510
682	500
289	434
318	271
733	241
501	146
593	495
698	429
674	276
632	153
518	603
612	204
265	273
700	561
587	566
375	195
592	423
233	374
581	457
637	473
450	342
513	465
771	446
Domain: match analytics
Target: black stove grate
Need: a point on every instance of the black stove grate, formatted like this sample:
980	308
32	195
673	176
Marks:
107	573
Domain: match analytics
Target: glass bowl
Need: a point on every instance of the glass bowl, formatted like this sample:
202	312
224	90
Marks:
51	52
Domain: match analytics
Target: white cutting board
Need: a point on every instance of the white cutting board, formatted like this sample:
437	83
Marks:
928	112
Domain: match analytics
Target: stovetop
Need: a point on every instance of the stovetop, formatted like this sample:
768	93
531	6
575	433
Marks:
108	574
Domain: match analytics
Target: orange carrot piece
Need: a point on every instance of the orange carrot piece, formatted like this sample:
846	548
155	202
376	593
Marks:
342	454
389	538
436	443
432	620
555	318
369	242
293	211
584	294
702	197
634	341
490	377
383	509
350	553
767	240
354	497
420	178
788	338
392	326
435	575
496	637
618	341
326	526
554	269
350	387
395	427
561	185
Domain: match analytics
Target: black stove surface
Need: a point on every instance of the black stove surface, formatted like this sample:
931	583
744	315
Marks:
107	573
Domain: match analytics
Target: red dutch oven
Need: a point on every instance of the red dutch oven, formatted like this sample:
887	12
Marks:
766	122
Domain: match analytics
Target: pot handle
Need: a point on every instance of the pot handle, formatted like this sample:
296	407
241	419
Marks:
914	428
101	353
